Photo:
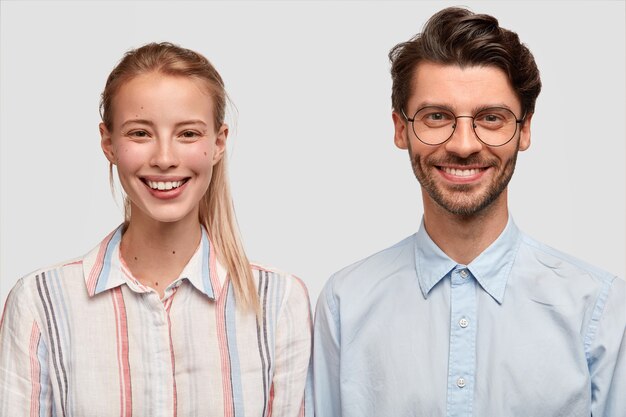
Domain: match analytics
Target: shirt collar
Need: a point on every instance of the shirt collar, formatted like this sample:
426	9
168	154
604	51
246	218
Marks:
103	268
491	268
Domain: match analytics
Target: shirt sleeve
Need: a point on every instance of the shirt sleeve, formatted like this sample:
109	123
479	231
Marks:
293	355
607	352
326	356
24	383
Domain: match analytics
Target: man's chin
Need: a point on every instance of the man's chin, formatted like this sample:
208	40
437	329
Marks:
464	206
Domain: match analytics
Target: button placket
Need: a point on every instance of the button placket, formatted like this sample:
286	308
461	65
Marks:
462	349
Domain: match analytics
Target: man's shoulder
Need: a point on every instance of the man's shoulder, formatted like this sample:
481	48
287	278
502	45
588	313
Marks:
567	275
563	264
374	268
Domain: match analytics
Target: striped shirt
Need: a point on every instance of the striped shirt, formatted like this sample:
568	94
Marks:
85	338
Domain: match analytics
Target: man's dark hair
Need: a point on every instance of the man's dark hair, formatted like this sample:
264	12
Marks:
457	36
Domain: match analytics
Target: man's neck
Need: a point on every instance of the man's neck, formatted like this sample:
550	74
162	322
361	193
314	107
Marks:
463	238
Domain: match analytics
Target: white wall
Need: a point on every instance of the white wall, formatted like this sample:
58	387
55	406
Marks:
317	180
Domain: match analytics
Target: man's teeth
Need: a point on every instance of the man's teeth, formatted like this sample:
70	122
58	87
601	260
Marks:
461	172
164	185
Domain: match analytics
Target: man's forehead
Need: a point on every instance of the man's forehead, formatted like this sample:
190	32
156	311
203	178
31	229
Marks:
457	85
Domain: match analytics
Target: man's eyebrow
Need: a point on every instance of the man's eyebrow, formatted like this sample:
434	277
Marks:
475	109
433	104
491	106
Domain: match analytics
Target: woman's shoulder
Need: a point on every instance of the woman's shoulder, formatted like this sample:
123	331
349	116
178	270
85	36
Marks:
38	280
71	267
42	285
269	278
273	273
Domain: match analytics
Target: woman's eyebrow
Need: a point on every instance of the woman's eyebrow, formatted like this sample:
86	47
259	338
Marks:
138	121
151	123
191	122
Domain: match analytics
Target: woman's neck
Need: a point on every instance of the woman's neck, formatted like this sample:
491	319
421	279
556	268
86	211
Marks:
156	252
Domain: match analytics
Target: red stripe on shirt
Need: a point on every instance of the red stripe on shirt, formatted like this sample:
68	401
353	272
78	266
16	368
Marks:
310	321
215	281
35	371
271	402
220	318
121	327
168	306
97	268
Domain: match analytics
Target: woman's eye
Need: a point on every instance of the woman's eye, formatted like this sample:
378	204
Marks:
138	133
190	134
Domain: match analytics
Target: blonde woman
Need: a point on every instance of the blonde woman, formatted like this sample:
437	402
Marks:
166	316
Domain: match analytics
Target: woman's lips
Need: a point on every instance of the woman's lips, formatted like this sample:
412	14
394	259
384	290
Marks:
165	190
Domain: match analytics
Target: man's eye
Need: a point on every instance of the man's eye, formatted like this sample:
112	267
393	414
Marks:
490	118
437	116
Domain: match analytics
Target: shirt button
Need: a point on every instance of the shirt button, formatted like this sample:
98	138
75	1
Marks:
463	273
463	322
460	382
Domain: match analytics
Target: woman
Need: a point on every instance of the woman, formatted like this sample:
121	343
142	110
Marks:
166	317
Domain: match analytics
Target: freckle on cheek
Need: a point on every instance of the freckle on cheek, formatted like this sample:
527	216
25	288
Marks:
205	154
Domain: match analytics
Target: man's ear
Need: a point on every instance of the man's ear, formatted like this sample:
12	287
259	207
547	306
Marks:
220	143
400	126
106	143
524	136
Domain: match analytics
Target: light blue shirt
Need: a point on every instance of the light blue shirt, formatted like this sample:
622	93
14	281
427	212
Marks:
523	330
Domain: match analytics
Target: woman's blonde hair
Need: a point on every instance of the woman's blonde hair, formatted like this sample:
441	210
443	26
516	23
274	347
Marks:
216	207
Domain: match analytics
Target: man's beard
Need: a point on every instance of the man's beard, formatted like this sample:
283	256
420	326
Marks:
462	199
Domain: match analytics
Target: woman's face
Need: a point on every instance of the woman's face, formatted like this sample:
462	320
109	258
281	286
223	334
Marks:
164	143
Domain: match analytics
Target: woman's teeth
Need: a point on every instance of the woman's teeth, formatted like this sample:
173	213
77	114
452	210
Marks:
164	185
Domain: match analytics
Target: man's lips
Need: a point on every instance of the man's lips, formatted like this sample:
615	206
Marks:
462	174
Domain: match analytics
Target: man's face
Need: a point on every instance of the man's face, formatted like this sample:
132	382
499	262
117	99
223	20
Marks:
462	175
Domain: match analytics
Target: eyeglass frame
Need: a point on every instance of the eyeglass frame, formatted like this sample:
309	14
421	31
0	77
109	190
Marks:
412	121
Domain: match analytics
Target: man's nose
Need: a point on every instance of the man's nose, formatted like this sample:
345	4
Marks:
464	141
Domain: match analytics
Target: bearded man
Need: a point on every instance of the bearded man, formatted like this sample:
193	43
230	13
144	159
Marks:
469	316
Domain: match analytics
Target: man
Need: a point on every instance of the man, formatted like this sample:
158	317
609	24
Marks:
469	316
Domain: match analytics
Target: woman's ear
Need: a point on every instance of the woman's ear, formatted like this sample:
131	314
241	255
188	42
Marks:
106	143
220	143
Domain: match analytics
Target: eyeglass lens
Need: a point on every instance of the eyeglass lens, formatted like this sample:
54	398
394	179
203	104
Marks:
494	126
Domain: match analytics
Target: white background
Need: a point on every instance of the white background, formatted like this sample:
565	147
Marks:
317	181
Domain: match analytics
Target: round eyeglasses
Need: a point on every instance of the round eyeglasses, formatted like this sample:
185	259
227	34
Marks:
494	126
